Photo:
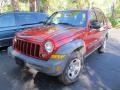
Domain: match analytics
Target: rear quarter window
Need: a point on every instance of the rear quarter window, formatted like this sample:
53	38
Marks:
100	17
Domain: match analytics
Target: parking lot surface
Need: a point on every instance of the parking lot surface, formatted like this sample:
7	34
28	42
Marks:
102	72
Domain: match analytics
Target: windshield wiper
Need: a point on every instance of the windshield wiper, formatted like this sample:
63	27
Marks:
66	24
50	23
59	23
33	23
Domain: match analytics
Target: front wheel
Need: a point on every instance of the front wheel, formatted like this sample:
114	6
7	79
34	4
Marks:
73	68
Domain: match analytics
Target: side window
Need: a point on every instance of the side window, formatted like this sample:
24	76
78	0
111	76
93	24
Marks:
105	19
100	17
92	18
7	20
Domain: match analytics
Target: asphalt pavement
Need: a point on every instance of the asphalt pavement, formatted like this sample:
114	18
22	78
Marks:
102	72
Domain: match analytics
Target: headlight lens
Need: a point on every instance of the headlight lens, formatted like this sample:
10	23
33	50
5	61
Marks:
15	39
49	46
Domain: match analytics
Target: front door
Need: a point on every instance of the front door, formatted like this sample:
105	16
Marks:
93	34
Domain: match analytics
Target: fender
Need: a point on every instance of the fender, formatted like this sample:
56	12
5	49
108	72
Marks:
71	46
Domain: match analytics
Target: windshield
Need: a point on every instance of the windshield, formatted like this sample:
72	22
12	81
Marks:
74	18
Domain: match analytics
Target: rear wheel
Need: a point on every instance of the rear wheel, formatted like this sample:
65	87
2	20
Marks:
73	68
103	47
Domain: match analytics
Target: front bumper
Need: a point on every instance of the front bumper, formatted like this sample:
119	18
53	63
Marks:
50	67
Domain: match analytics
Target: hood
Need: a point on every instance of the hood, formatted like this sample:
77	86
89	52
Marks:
54	32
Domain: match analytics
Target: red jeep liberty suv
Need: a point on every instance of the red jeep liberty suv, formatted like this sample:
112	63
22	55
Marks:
58	47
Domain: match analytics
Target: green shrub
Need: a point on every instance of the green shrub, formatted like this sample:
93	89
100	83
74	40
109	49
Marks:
118	23
113	21
7	8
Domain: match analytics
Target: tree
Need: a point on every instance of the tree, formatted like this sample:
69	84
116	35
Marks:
32	5
2	3
37	5
15	5
117	9
45	5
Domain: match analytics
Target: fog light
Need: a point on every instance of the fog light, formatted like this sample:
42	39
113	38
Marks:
58	68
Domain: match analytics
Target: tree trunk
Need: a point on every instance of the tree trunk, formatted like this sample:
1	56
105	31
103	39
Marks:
46	5
1	6
113	10
15	5
32	5
37	5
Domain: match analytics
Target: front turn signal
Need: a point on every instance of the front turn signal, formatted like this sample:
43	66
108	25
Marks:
57	56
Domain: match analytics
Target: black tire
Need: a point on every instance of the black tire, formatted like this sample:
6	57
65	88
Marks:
20	63
64	77
103	47
37	78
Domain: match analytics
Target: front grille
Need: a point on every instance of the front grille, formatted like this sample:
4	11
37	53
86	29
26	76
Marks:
28	48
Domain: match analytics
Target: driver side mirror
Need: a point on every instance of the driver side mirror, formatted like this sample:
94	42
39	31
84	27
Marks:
95	25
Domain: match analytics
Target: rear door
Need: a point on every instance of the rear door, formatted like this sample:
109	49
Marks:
103	29
91	39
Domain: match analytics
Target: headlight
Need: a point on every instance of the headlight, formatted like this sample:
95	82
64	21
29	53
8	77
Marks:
15	39
49	46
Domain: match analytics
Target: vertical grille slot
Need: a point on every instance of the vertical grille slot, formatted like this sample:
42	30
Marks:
22	46
37	50
28	49
25	47
32	49
18	44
